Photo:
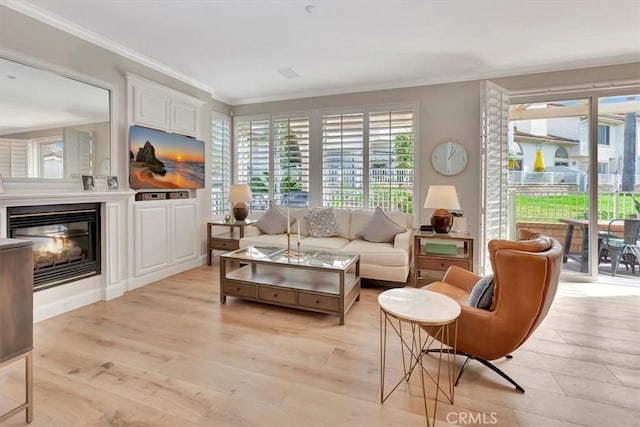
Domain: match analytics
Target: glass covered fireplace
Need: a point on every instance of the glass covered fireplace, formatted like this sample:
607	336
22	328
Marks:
66	240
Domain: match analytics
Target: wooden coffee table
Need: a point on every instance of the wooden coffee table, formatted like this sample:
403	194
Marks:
326	282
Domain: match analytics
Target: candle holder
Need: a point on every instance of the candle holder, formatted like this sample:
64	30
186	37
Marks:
289	253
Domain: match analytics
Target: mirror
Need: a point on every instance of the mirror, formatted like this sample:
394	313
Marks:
51	126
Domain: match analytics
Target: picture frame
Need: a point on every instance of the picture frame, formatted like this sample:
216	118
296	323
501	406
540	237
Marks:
112	183
88	183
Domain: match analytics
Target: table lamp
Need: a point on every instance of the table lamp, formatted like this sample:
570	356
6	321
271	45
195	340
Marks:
239	194
442	198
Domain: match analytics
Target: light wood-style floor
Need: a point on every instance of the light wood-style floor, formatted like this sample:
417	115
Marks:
169	354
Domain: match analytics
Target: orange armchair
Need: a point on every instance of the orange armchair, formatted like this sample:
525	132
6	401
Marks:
526	276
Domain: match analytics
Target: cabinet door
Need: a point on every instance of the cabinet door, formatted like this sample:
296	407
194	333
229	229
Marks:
152	240
184	118
151	107
185	231
16	302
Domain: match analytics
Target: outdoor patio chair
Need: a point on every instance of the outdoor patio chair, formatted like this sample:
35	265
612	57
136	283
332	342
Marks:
625	249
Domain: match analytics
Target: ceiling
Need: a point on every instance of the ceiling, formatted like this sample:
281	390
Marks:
235	48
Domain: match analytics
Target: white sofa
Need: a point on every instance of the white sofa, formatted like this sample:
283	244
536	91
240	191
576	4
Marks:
380	261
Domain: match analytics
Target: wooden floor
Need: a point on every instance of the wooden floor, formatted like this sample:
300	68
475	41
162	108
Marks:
169	354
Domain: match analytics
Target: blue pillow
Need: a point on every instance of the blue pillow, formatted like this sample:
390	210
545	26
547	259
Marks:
482	293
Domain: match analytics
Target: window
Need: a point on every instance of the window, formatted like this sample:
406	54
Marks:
561	157
342	160
515	156
291	161
391	157
603	167
603	134
220	163
14	158
252	159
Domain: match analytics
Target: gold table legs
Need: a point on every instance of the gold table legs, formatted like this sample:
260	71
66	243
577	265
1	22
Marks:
413	351
28	404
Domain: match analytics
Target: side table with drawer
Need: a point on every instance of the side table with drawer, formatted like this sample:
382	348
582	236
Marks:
228	239
426	260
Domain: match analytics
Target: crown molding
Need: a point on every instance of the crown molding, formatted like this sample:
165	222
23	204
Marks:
83	33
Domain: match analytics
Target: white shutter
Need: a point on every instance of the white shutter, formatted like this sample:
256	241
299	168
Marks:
19	159
291	161
220	163
495	150
391	160
252	159
342	160
5	157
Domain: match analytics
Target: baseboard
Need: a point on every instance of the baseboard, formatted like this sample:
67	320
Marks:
63	305
115	290
138	282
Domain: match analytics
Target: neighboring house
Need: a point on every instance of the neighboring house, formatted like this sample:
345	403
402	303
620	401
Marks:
564	142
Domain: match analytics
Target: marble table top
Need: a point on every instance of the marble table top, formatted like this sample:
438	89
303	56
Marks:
419	306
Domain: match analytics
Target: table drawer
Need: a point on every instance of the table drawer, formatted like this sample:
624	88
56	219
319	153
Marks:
239	290
224	245
440	263
277	295
319	301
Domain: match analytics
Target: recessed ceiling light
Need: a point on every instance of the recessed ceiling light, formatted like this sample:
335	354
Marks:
309	8
288	73
11	77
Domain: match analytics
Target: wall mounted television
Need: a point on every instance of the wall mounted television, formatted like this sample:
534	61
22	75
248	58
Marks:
159	159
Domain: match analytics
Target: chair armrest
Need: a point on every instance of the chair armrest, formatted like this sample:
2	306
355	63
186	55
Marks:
403	241
461	278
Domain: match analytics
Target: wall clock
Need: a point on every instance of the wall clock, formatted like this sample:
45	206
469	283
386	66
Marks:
449	158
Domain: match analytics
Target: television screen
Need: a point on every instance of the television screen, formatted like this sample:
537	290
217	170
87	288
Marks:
159	159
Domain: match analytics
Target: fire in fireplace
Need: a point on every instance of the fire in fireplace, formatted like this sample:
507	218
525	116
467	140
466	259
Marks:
66	240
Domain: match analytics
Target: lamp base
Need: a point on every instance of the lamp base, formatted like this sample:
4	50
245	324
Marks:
240	211
441	220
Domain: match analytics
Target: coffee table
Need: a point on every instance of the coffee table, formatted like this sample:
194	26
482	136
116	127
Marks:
326	282
417	308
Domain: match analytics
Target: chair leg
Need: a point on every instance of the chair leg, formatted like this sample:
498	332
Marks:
486	363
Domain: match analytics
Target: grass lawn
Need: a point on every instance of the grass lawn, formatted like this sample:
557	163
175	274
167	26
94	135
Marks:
551	207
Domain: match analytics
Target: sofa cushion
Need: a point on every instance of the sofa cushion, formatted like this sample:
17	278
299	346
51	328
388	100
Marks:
322	223
297	216
279	240
360	218
380	229
482	293
323	243
377	253
343	218
273	221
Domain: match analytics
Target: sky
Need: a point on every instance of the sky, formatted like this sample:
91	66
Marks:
168	145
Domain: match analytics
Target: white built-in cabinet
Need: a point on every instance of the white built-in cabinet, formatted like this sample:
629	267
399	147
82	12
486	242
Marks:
158	107
166	233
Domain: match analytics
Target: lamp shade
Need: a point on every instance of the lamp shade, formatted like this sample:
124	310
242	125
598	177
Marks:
239	193
442	197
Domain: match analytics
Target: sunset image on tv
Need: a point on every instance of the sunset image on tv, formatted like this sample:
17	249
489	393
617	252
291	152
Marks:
159	159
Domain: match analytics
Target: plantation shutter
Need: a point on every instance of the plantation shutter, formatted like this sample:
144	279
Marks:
342	160
391	160
252	159
495	150
291	161
14	161
220	163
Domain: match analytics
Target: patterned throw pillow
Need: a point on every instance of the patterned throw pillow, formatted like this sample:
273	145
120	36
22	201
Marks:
482	293
273	221
380	229
322	223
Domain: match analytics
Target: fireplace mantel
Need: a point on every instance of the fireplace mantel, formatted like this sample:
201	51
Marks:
115	245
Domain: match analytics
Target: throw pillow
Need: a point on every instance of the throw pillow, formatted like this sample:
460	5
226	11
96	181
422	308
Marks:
482	293
273	221
380	229
322	223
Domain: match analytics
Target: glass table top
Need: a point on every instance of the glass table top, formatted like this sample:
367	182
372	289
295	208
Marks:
337	260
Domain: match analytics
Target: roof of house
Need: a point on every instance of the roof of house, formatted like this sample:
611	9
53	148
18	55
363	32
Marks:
543	138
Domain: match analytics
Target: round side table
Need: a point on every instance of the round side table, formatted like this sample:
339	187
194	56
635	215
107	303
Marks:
417	308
